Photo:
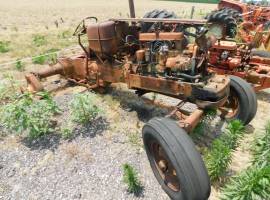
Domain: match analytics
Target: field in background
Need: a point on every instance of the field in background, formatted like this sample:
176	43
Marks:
198	1
22	21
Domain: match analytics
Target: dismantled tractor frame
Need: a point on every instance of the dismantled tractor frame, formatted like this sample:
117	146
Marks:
98	72
231	58
159	61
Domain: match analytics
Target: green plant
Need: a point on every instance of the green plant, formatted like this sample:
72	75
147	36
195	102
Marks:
4	46
130	177
28	114
41	59
198	131
233	133
66	132
39	40
252	184
83	108
19	65
49	57
261	150
218	159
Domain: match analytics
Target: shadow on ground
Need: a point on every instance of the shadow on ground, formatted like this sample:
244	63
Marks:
53	140
130	102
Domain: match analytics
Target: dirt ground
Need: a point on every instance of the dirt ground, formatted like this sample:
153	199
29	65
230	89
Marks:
89	166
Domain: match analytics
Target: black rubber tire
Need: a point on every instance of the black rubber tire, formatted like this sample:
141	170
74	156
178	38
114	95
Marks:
222	17
234	13
189	166
246	97
164	14
264	54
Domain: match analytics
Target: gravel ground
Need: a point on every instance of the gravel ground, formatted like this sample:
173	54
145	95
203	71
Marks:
89	166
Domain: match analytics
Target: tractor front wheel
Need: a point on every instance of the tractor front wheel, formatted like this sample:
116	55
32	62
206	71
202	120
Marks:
241	103
177	165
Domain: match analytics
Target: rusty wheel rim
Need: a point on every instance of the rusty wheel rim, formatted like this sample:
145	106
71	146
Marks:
231	107
165	167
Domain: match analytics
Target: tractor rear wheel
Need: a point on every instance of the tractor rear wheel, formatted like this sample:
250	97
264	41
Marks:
223	19
163	14
177	165
241	103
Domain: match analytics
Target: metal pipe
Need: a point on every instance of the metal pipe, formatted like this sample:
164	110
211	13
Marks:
131	8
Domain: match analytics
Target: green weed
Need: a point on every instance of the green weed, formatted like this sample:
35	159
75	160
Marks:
28	114
252	184
39	59
261	150
66	132
4	46
19	65
83	108
39	40
218	159
130	178
233	134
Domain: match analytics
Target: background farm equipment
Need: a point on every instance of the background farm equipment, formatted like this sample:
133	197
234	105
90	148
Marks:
241	19
159	60
228	57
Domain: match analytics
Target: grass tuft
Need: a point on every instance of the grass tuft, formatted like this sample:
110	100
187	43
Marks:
39	59
4	46
39	40
19	65
130	177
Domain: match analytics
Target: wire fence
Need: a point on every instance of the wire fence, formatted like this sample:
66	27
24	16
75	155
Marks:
30	58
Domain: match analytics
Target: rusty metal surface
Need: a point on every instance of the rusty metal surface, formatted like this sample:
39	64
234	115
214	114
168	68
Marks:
102	37
191	121
160	85
171	36
167	21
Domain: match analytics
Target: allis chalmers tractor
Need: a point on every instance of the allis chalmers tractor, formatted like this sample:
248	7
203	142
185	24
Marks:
118	51
242	19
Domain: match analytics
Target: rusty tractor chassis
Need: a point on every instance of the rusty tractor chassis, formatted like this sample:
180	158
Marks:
159	59
131	64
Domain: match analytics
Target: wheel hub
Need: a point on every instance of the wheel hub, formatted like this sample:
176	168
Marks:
165	167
